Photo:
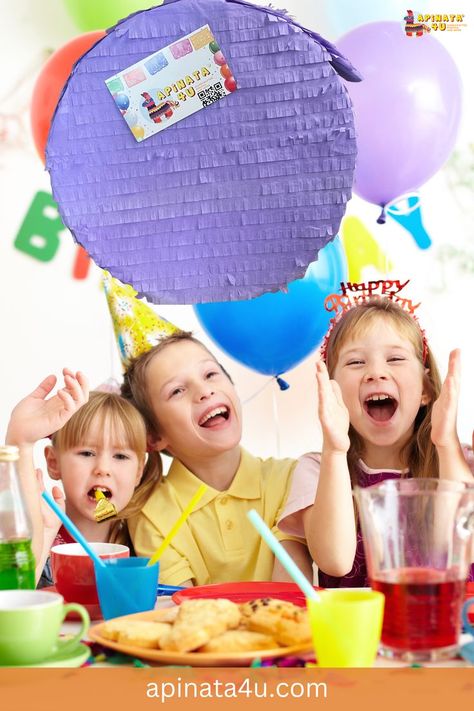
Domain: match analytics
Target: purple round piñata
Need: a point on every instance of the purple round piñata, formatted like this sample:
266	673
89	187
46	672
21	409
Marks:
228	202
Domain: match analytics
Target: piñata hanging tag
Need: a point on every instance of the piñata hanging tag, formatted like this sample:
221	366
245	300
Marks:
171	84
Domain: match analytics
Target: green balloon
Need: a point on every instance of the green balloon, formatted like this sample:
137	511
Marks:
214	47
101	14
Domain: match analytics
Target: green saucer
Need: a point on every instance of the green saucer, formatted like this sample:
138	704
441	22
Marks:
74	658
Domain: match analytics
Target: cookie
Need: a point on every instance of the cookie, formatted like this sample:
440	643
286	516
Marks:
138	633
149	635
239	641
268	604
186	639
294	630
166	614
216	606
111	630
198	621
288	623
264	615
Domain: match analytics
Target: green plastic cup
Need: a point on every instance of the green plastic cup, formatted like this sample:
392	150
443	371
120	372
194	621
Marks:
30	622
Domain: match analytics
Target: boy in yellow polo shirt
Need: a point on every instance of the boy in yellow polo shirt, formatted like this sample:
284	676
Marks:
194	414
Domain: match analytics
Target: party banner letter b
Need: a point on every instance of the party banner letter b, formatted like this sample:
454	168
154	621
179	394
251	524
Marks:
38	235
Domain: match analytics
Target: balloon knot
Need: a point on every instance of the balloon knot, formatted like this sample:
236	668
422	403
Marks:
382	218
282	383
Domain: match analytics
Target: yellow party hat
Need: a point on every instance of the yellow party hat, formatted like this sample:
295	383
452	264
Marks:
137	327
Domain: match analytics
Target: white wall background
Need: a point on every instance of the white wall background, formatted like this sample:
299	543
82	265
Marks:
48	319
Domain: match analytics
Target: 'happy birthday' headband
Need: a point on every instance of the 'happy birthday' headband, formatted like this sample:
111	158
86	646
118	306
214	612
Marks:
353	294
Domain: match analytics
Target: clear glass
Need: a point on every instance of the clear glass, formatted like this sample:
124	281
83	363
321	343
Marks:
416	537
17	564
14	520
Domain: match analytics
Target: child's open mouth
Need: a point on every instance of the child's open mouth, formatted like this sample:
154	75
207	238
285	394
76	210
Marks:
380	407
215	417
91	493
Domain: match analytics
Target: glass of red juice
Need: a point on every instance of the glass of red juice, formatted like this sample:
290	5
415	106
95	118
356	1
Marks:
416	538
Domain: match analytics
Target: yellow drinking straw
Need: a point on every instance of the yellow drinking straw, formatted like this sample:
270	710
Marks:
177	525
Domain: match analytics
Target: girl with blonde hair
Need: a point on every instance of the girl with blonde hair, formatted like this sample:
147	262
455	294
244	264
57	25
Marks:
384	415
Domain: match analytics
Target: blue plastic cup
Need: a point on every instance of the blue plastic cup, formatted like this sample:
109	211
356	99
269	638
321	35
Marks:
465	616
467	650
126	586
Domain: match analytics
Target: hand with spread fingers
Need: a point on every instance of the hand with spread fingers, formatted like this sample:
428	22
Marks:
445	408
452	462
37	416
51	523
332	412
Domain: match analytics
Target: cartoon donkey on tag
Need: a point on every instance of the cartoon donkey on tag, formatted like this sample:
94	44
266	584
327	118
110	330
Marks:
414	28
157	111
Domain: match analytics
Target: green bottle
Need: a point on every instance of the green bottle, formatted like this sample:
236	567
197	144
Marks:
17	563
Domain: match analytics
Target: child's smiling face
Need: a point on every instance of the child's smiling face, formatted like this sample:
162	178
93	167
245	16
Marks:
195	404
382	383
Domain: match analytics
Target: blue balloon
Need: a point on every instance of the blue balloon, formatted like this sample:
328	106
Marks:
122	101
275	332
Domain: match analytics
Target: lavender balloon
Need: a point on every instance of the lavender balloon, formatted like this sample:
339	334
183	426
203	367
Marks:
407	109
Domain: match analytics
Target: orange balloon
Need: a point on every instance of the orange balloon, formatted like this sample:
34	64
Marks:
50	82
226	71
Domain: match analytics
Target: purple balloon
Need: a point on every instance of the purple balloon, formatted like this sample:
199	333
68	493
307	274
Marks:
407	108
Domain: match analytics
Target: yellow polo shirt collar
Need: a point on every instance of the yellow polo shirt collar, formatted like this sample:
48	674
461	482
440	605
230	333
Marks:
245	485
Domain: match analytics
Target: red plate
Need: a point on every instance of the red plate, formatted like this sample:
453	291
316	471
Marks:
93	610
242	592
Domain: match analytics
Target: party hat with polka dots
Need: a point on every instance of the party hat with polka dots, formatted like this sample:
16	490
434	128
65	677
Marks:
137	326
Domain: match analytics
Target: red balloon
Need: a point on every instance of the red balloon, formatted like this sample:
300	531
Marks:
230	84
50	82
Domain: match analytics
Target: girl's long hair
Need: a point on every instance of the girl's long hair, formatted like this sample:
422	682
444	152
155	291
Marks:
112	410
419	455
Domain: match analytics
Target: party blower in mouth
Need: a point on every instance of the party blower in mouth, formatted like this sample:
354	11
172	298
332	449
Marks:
104	509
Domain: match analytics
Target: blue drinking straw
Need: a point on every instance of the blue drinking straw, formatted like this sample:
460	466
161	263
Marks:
280	553
72	528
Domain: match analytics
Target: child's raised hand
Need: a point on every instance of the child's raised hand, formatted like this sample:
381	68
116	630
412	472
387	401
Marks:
444	413
332	412
36	417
